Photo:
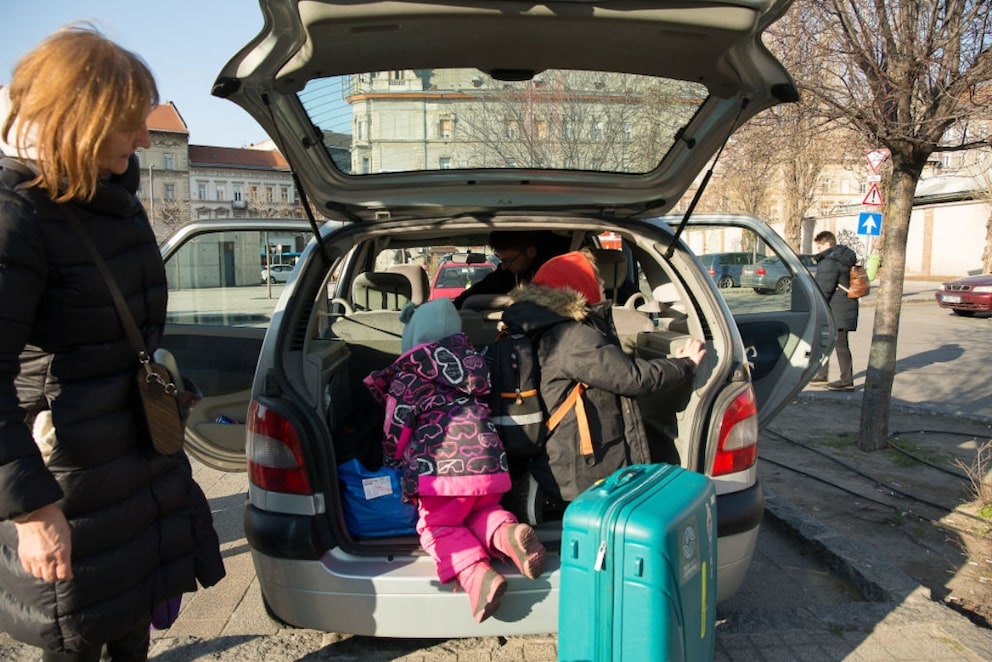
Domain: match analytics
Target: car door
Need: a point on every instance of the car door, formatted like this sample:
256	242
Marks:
786	336
217	315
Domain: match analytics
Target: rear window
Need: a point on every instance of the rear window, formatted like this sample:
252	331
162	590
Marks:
461	275
438	119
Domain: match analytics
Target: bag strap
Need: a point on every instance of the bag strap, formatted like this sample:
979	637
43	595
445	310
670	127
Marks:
127	320
574	399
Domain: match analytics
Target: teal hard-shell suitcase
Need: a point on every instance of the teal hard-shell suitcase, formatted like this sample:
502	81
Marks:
638	568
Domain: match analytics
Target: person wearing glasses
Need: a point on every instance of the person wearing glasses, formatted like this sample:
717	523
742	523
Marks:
520	253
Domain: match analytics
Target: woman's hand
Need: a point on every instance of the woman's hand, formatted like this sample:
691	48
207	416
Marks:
692	350
44	544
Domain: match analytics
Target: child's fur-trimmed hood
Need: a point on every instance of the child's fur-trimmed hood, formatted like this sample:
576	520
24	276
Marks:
564	302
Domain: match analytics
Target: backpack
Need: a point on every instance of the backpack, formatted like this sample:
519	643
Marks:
858	284
517	410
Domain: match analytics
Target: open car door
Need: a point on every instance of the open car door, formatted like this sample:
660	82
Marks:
781	314
220	305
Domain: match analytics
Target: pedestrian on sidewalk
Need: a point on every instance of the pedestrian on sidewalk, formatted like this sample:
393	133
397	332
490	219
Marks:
97	529
833	269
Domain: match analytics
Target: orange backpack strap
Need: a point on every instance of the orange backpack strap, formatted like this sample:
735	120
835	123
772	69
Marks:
574	399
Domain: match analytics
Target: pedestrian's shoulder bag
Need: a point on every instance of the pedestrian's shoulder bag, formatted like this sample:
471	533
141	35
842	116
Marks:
164	396
857	284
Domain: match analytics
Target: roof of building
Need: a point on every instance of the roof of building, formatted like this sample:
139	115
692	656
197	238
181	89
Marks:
166	117
233	157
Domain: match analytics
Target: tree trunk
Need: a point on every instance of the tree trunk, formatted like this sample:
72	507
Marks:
880	375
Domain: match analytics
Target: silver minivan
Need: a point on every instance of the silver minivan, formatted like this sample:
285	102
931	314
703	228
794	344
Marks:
581	119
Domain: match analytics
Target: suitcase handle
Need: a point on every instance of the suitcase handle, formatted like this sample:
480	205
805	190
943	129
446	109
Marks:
624	476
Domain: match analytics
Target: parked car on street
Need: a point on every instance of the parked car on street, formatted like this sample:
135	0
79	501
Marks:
276	273
305	411
772	276
456	275
725	268
967	296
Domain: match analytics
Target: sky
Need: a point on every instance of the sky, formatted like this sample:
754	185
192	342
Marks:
184	42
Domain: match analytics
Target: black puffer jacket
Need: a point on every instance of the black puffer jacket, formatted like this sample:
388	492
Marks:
577	344
833	268
137	517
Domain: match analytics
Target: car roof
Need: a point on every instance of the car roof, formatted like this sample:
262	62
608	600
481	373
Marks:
693	71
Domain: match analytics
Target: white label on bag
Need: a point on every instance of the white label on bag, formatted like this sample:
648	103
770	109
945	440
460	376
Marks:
377	487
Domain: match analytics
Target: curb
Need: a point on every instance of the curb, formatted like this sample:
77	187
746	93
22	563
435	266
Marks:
883	585
854	398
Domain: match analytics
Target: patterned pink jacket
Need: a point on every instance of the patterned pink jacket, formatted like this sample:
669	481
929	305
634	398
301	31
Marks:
437	428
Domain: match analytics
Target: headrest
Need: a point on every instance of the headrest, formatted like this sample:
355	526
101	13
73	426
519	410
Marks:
612	265
420	284
381	290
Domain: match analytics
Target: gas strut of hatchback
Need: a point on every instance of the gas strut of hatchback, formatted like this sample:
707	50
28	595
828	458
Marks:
703	183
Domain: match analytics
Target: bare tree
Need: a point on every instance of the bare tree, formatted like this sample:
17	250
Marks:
573	120
901	73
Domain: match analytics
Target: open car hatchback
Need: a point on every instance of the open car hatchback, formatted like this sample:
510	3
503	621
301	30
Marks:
417	126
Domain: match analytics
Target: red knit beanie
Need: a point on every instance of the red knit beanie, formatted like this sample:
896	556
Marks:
571	271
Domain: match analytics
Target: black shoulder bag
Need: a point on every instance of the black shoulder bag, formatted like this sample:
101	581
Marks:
165	401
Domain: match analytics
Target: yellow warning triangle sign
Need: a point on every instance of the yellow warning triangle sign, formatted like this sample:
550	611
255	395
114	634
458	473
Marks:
874	197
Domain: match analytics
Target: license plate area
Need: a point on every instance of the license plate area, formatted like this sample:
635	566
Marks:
950	298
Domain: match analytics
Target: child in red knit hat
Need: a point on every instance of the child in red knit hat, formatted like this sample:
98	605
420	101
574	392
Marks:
564	308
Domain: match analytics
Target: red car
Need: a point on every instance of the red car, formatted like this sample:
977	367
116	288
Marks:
967	296
454	277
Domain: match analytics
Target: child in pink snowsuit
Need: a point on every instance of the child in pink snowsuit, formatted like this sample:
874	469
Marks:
438	432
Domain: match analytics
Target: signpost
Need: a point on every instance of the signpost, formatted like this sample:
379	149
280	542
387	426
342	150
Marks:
870	223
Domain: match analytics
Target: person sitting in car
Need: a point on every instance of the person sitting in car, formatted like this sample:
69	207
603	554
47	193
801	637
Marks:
521	253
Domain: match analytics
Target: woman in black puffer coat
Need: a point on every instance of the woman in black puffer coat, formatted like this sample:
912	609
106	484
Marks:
92	540
564	305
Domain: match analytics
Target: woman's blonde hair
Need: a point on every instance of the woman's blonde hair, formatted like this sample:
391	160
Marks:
67	95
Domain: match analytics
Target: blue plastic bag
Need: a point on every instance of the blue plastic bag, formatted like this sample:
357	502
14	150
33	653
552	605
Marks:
372	502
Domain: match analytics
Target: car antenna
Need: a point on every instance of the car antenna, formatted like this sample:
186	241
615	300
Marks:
702	185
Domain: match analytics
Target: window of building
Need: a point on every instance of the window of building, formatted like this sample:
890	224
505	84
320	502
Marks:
360	130
201	190
366	165
568	129
284	193
169	161
446	127
270	194
511	129
597	130
541	129
444	163
170	192
628	132
238	194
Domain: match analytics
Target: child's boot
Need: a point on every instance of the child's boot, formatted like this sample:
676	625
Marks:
484	586
519	543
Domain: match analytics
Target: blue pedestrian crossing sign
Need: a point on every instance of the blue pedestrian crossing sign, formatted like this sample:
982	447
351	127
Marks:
870	223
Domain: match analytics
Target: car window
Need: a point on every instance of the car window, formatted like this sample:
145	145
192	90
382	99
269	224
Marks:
560	119
751	278
214	278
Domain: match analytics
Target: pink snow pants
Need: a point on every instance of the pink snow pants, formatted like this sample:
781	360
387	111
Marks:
457	531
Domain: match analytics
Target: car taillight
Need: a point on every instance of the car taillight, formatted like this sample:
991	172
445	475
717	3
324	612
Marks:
738	444
275	458
711	271
760	271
